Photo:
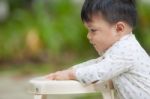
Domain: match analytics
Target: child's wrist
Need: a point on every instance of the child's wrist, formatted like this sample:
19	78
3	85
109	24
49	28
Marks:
72	74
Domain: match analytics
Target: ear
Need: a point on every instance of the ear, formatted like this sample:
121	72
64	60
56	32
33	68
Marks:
120	27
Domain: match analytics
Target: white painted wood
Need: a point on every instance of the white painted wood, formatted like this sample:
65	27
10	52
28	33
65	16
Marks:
37	96
40	86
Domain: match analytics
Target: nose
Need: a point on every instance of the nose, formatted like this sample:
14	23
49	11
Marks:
89	36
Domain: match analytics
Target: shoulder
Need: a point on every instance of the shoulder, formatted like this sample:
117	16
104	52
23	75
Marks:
126	47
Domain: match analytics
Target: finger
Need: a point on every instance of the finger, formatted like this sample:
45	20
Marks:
50	77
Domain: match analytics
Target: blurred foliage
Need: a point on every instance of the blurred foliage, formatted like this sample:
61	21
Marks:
142	30
42	26
90	96
51	30
47	29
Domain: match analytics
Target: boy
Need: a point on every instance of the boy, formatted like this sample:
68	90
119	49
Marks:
123	60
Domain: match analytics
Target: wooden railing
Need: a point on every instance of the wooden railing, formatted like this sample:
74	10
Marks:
41	87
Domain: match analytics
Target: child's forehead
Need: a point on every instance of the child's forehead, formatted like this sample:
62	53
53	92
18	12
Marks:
96	20
89	24
95	16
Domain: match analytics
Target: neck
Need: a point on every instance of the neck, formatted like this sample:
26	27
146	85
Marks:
127	30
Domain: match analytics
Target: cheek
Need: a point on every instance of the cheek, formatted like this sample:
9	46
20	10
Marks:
102	42
102	38
99	40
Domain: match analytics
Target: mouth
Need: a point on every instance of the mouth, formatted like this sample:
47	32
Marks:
94	45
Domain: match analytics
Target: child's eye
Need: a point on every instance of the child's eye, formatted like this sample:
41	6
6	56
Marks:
93	30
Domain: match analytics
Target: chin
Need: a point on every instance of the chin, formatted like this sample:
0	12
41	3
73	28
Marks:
100	52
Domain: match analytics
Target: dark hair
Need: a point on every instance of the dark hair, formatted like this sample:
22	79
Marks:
112	10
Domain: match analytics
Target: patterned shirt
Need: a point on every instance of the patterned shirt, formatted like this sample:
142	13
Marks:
125	63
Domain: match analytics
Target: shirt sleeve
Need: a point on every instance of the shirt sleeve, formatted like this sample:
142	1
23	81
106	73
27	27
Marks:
106	69
87	63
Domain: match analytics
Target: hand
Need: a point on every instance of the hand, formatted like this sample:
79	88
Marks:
62	75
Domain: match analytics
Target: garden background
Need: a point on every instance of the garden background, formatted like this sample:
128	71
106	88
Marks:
42	36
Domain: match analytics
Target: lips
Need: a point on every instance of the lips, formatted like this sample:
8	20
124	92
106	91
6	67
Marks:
94	45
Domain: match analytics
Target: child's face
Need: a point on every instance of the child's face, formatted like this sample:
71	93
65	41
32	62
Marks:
101	34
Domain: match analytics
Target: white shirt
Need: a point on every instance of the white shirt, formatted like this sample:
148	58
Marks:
125	63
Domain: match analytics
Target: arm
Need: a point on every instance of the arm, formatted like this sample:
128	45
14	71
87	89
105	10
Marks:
69	74
87	63
105	70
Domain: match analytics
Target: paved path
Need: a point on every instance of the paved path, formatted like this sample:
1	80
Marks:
13	88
